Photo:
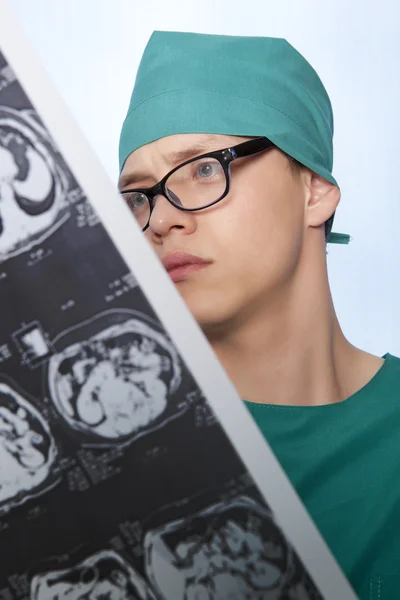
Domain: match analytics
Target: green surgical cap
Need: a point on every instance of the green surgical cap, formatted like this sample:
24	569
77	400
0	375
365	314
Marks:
232	85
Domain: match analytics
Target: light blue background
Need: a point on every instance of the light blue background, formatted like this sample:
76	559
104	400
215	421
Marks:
91	49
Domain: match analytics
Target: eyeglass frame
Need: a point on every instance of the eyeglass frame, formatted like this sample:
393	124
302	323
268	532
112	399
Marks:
225	157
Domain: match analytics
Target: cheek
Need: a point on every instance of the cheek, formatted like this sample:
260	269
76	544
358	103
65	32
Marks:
260	235
255	240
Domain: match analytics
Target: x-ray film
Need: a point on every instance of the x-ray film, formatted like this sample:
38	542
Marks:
27	449
33	199
102	575
119	382
129	467
232	550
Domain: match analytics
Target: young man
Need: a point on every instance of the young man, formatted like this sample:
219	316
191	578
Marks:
242	230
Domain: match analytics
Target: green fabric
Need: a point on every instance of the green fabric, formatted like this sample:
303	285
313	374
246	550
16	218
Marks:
234	85
344	461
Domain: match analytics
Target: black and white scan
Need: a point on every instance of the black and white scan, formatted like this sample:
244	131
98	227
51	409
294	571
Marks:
118	383
230	551
27	449
32	184
103	575
117	481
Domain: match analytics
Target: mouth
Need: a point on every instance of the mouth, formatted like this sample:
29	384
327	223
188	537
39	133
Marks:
180	266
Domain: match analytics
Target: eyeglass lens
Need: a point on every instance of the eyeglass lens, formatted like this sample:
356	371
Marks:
192	186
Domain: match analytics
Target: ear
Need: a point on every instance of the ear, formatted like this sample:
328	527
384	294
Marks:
322	200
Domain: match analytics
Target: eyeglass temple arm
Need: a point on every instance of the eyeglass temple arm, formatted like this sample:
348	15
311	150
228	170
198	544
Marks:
251	147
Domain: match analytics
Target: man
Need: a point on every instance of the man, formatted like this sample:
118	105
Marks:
242	230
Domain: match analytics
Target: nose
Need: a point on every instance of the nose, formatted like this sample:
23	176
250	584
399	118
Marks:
166	217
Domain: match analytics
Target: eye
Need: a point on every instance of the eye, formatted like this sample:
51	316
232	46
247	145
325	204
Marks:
135	200
206	170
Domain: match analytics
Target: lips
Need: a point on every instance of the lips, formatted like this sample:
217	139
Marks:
181	265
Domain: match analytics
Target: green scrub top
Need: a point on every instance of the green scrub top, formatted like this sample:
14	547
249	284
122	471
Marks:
344	461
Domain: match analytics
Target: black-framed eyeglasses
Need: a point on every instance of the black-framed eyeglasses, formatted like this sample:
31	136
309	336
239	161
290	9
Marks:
195	184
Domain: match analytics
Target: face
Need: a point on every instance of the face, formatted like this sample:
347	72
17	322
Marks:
251	240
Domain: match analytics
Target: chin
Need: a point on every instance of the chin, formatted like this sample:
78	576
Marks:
212	312
205	318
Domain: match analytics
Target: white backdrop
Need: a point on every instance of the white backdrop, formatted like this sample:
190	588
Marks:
92	48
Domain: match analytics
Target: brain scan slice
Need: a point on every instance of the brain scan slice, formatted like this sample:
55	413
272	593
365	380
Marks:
118	382
230	551
27	449
103	576
33	184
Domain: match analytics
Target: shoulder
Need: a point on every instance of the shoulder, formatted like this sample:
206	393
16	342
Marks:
387	380
392	363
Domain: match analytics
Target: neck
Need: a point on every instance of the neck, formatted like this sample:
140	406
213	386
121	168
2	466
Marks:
291	350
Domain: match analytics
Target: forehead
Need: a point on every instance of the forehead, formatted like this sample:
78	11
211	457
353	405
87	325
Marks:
176	142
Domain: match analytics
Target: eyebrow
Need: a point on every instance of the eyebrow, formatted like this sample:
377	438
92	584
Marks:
172	159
